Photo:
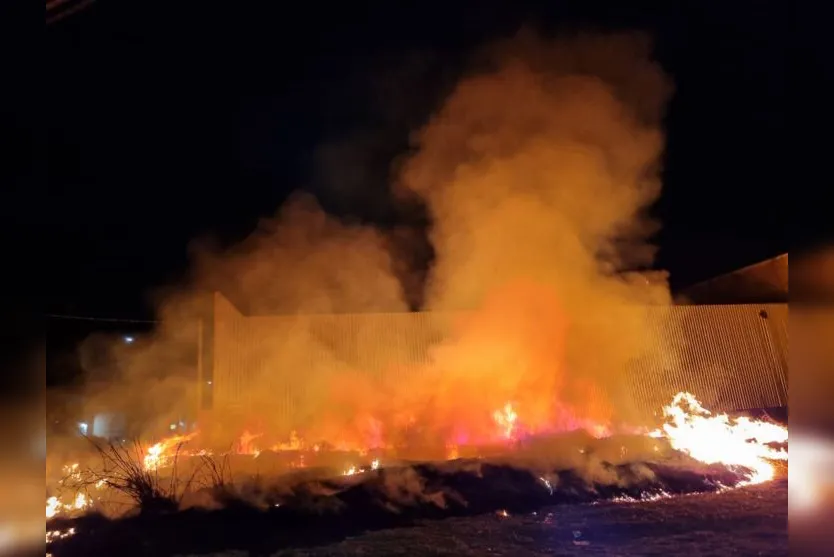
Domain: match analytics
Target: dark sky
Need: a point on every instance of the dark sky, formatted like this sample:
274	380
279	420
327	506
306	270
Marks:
167	122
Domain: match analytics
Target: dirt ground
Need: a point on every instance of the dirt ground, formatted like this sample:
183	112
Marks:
748	521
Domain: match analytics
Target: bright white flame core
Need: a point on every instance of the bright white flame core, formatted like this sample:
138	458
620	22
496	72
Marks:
692	429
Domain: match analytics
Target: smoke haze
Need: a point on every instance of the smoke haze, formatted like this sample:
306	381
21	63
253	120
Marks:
537	173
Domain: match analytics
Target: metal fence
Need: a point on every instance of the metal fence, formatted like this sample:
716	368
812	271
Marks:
731	357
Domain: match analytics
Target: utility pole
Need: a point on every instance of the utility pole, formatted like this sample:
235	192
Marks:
200	371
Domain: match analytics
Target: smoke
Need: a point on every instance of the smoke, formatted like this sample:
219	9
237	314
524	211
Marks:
305	262
537	172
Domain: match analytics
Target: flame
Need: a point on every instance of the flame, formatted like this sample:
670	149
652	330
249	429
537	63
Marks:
506	418
159	454
71	471
689	427
711	439
644	498
294	444
53	535
245	443
353	470
54	507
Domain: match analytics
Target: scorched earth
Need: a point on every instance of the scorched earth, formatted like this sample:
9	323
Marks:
752	520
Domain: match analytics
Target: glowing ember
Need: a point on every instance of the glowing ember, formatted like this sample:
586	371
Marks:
353	470
644	498
53	535
692	429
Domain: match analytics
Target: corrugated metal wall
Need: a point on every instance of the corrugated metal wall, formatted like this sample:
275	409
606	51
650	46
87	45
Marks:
731	357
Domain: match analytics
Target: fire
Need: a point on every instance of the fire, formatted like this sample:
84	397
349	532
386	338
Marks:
506	418
294	444
689	428
644	498
54	506
692	429
53	535
353	470
159	454
245	445
71	471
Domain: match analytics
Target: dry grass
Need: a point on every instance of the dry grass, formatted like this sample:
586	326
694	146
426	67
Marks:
122	469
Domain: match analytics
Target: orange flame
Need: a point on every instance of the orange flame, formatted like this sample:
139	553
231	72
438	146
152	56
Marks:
506	418
711	439
159	454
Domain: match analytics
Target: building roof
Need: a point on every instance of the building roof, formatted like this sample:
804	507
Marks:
813	277
763	282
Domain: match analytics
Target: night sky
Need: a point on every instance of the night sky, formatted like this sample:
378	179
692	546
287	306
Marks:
166	123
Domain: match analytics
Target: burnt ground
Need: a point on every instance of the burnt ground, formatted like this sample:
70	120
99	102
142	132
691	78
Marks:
746	521
458	508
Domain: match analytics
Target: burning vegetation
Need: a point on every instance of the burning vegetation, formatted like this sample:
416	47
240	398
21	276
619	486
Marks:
537	174
694	451
162	475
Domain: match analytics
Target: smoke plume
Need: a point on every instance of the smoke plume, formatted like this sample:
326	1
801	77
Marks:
537	172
